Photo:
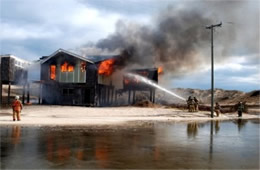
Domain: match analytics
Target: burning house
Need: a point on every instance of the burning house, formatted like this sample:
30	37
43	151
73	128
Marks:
70	79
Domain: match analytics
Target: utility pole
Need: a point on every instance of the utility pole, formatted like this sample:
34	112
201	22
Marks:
211	27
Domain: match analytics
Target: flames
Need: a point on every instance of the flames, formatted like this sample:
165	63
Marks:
160	70
53	72
70	68
106	67
65	67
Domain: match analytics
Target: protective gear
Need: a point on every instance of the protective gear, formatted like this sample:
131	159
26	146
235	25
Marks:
217	109
17	107
240	109
17	97
189	104
196	104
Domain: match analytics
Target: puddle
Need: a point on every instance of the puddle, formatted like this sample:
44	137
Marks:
204	145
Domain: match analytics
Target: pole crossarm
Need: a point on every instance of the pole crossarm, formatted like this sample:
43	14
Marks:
212	26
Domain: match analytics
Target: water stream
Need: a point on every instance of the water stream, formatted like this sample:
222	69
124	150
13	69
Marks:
151	83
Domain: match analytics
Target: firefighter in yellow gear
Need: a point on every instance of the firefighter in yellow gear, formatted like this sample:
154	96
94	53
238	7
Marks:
17	108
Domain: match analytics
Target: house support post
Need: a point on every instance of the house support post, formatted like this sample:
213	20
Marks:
151	94
39	94
28	92
9	91
108	95
23	97
129	97
112	95
134	97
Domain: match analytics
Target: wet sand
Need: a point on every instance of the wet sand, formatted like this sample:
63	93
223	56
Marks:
41	115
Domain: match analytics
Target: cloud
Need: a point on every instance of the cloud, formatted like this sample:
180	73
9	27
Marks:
11	32
251	79
65	24
36	28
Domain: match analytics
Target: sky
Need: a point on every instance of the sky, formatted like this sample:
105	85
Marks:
30	29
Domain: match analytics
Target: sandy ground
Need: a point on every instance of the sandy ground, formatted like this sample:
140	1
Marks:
86	116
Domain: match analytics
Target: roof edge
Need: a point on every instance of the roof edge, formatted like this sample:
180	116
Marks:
67	52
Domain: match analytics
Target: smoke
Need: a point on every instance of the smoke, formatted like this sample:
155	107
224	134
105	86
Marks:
177	38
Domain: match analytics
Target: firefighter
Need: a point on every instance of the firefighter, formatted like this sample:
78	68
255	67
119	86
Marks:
240	109
218	109
196	101
17	108
192	105
189	102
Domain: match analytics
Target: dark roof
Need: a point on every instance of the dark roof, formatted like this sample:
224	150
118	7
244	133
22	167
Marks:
66	52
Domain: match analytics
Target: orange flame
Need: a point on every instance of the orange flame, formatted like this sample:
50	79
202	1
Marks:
70	68
64	67
106	67
53	72
160	70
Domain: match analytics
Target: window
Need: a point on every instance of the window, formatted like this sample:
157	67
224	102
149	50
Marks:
66	67
53	72
82	66
70	68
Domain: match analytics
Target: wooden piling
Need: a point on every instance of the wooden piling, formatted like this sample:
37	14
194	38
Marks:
112	95
116	93
23	97
134	97
99	95
151	94
129	97
9	91
39	95
103	95
28	92
108	95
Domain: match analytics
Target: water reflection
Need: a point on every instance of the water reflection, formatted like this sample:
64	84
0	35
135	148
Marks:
193	128
217	127
240	123
211	142
101	152
16	134
197	145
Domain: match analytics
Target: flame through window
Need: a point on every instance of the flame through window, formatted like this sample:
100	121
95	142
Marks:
52	72
66	67
83	66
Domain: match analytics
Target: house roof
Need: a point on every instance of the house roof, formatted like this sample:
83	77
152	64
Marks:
15	57
66	52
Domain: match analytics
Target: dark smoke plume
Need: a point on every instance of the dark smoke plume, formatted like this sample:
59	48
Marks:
178	40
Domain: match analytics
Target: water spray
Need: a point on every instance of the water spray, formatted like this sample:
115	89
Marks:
151	83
